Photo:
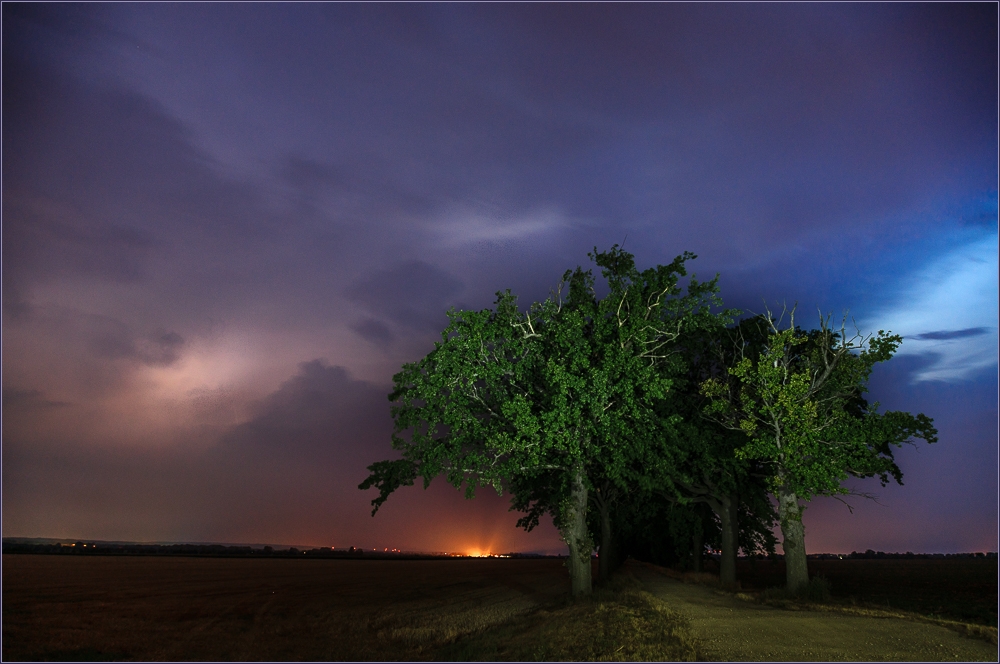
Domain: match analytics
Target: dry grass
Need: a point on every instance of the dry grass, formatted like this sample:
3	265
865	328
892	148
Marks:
618	623
962	590
947	584
984	632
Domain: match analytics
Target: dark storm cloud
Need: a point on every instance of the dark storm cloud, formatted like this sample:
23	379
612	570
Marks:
79	20
374	330
954	334
300	456
101	185
51	227
45	240
709	116
97	181
28	400
413	295
321	414
313	435
174	174
117	342
364	184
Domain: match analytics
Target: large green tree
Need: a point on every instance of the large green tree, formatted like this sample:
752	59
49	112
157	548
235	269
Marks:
799	398
548	403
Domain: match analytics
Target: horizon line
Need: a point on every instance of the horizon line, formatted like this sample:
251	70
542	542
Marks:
73	540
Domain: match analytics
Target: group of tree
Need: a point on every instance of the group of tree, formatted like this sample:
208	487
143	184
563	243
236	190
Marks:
646	421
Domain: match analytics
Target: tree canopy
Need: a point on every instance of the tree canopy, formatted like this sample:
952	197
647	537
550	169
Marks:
610	412
799	398
550	402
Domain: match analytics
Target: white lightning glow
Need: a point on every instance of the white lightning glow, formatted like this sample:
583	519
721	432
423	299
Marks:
955	293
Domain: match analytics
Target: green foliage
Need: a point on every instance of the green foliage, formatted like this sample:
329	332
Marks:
798	397
524	400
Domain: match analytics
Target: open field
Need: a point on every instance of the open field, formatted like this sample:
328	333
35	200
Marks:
144	608
174	608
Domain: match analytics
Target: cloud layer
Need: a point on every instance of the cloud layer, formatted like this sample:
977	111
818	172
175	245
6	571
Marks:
199	201
948	310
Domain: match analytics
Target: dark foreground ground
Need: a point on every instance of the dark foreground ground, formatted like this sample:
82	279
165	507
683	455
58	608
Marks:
731	627
146	608
963	589
174	608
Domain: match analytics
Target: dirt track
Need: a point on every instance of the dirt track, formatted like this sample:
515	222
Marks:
732	629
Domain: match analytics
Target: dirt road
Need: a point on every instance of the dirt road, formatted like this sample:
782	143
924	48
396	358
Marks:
732	629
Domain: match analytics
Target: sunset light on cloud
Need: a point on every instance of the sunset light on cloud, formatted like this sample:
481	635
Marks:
227	226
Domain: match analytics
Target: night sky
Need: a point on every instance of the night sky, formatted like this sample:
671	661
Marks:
226	226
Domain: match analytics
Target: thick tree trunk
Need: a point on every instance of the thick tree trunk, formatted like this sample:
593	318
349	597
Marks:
724	507
574	532
727	564
793	535
606	559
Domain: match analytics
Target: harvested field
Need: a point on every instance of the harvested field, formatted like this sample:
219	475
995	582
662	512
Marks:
172	608
58	607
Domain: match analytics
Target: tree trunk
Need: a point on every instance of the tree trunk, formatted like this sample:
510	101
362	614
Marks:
727	564
735	523
606	559
574	532
793	535
724	506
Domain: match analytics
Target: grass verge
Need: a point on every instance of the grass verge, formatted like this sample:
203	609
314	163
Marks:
816	597
984	632
621	622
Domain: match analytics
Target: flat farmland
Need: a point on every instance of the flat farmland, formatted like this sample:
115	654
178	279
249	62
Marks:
80	607
174	608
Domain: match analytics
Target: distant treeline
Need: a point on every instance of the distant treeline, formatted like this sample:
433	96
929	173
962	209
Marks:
869	554
234	551
876	555
221	550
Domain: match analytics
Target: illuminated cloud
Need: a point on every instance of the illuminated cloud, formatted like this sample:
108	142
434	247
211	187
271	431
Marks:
466	227
948	310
